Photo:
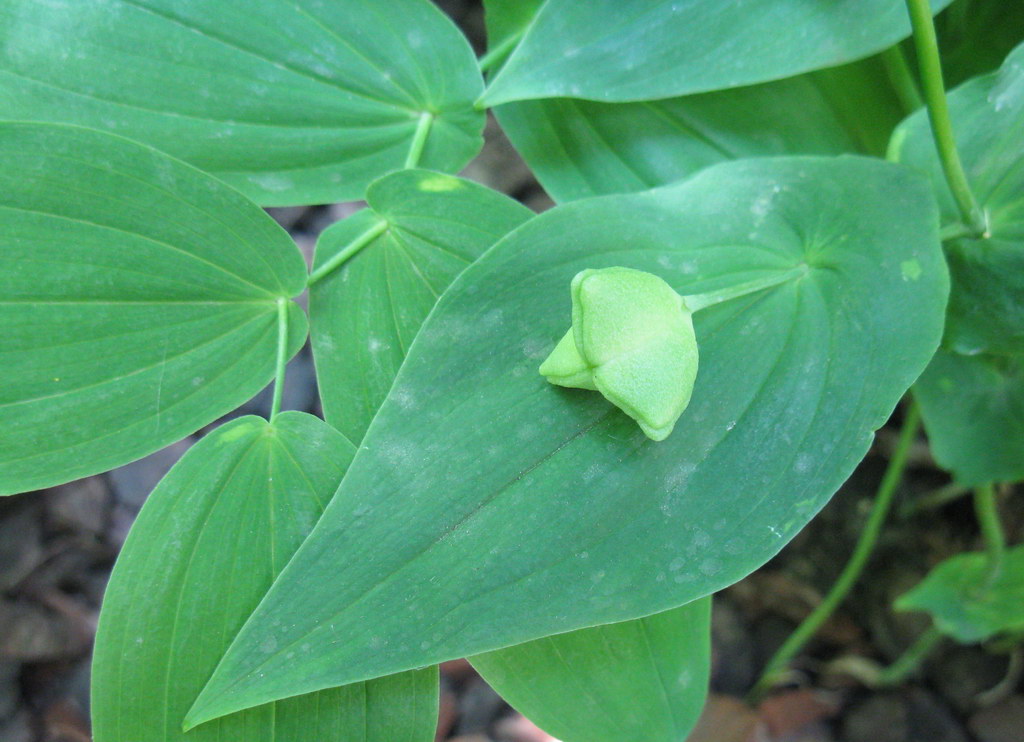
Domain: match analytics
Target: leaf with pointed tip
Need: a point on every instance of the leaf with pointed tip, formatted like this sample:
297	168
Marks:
965	602
363	318
973	411
365	314
229	515
139	300
633	681
986	306
663	48
290	102
486	507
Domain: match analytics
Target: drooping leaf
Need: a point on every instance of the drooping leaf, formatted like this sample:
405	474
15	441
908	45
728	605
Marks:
581	148
600	50
973	410
986	305
965	602
633	681
139	300
473	452
365	314
208	543
291	102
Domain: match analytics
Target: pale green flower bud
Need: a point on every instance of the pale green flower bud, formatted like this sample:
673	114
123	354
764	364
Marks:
632	340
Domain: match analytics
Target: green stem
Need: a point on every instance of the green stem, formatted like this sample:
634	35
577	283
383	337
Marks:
938	113
351	249
858	560
902	79
991	530
419	139
696	302
497	55
955	232
910	660
282	356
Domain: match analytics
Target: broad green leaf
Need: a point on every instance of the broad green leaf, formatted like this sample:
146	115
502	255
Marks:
651	49
986	306
363	319
581	148
965	602
973	410
635	681
423	228
291	102
208	543
495	508
976	35
139	300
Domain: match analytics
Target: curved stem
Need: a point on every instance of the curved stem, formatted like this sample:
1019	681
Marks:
910	660
282	356
991	530
419	139
696	302
938	113
858	560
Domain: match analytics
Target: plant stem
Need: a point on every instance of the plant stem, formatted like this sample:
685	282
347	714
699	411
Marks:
991	530
282	356
497	55
902	80
910	660
858	560
938	113
696	302
419	139
349	250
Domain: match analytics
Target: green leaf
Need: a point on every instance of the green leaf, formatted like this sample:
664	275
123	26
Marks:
437	225
965	602
139	300
290	102
208	543
986	306
973	410
583	148
365	314
663	48
635	681
474	455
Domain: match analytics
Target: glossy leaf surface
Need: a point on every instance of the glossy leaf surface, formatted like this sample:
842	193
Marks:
965	602
208	543
986	306
473	451
973	410
365	314
633	681
138	298
600	50
291	102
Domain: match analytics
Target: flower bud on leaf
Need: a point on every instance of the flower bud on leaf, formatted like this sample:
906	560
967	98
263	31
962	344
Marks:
632	340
